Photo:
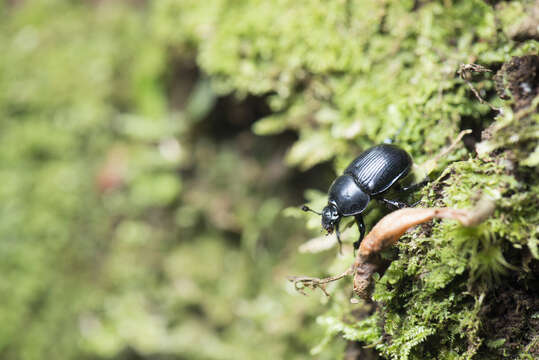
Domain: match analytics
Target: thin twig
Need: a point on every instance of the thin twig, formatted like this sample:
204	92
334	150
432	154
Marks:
465	72
301	282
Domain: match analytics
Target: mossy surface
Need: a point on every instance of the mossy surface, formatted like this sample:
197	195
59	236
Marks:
142	205
347	74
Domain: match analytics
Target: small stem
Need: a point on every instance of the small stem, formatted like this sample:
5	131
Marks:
300	282
465	71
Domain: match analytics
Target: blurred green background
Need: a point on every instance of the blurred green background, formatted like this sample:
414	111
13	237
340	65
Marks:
139	215
144	216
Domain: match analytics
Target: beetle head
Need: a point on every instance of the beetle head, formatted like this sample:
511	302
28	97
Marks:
330	217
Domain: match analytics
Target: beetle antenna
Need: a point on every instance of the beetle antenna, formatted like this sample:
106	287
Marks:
306	208
393	139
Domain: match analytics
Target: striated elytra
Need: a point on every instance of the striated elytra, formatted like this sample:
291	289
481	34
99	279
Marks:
368	177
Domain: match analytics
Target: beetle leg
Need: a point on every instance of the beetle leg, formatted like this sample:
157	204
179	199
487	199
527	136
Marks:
416	186
361	228
338	233
415	203
394	204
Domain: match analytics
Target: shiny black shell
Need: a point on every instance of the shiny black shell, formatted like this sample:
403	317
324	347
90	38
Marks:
370	174
347	196
379	167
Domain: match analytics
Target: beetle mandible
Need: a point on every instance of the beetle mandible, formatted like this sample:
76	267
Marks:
368	177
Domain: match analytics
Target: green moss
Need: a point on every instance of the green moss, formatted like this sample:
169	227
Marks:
344	81
188	256
349	68
443	273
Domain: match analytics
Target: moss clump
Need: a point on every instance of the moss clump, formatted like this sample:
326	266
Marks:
435	294
346	80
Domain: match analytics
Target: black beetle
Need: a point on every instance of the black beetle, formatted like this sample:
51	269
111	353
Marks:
369	176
